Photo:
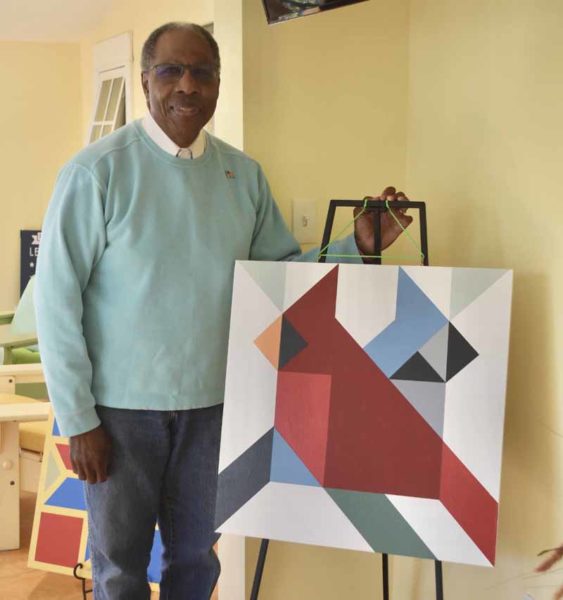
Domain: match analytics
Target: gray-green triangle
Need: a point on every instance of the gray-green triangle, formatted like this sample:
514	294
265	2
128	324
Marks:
435	351
271	280
380	523
53	471
469	284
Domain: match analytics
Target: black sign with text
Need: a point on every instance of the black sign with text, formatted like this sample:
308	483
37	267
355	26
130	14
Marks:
29	242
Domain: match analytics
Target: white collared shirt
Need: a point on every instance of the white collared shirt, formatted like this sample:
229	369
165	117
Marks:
158	136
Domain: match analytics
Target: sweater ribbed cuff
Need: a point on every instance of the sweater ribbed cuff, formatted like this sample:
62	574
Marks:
71	424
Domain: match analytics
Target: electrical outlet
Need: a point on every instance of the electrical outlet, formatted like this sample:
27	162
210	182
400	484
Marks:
305	221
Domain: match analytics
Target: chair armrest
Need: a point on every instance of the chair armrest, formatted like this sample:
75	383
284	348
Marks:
6	317
9	340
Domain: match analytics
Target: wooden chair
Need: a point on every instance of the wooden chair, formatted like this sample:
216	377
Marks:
18	336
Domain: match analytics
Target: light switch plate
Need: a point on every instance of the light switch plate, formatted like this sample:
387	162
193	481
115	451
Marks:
305	221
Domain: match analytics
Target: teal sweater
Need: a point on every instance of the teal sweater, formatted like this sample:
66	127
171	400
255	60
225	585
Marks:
135	273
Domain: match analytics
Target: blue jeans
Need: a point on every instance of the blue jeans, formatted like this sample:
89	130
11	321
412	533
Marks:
163	468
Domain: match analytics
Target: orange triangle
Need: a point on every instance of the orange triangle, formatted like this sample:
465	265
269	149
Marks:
268	342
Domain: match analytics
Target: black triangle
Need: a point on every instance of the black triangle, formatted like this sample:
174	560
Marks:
291	343
460	353
417	369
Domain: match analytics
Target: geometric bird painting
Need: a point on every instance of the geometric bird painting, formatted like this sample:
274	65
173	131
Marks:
364	407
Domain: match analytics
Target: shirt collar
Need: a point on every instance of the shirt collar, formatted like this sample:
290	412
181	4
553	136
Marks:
158	136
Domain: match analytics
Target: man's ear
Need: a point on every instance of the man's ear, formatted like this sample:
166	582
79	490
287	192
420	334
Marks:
145	84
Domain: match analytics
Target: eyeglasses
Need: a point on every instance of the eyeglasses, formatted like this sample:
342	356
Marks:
171	72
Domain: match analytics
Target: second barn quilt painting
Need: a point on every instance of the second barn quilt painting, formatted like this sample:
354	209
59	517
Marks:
364	407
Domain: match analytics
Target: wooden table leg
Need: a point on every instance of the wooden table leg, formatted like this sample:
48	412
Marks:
9	486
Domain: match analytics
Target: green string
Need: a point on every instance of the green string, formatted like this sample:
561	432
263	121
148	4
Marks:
322	252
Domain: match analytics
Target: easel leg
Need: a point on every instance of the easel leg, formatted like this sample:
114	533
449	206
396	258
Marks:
385	565
439	581
259	570
82	580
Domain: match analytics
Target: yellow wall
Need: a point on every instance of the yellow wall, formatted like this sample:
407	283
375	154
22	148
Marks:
325	101
325	106
40	129
462	103
485	149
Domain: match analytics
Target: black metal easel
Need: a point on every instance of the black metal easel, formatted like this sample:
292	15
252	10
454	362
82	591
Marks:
377	207
78	567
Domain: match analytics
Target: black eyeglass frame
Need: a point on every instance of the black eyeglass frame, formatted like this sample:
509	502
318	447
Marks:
190	68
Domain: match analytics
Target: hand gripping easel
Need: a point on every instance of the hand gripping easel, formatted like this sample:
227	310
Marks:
376	208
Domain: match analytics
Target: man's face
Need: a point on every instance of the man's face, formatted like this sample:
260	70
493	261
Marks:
182	105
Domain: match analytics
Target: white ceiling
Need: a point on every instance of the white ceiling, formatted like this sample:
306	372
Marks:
49	20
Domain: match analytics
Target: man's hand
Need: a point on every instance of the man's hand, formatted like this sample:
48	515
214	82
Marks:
554	556
390	229
90	455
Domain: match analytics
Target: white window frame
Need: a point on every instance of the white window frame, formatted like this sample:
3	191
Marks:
111	124
112	58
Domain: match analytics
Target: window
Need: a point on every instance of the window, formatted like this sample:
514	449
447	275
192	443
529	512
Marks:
109	112
112	86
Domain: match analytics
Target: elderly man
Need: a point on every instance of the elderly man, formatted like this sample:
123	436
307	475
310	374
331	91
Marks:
133	291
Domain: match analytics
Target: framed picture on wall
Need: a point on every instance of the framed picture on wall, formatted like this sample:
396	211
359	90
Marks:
278	11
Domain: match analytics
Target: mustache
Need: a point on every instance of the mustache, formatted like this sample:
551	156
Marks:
186	101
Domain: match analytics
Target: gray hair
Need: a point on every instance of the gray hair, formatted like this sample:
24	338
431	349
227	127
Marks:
149	47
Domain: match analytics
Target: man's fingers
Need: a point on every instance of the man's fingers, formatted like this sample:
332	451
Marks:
89	472
95	473
103	462
78	468
399	196
96	476
548	562
91	452
554	556
404	220
102	471
395	196
402	197
74	465
388	193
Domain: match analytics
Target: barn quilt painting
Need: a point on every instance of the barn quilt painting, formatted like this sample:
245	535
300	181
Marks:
364	407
